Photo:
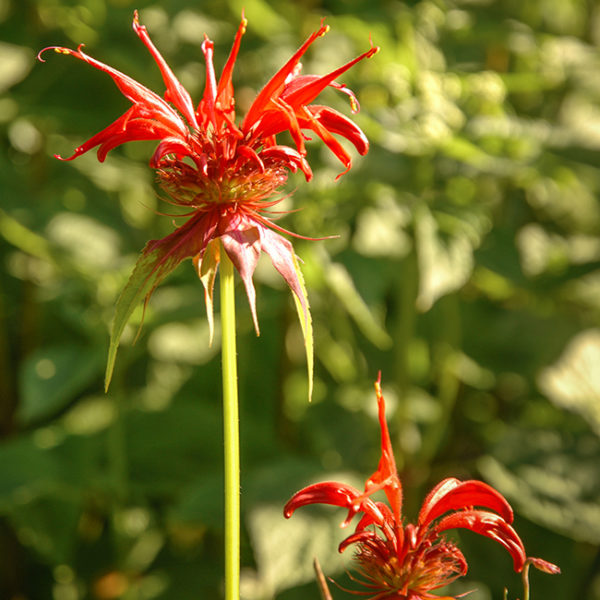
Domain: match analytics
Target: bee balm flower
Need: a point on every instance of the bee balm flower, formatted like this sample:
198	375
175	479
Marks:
224	175
406	562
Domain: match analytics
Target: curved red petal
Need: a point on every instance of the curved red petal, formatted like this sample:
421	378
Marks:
308	121
206	108
452	494
170	145
292	158
242	244
251	155
386	476
176	93
124	129
361	537
371	518
309	90
544	565
490	525
326	492
281	253
275	85
337	123
146	102
224	95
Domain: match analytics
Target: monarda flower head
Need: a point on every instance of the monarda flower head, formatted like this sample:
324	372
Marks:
406	562
224	173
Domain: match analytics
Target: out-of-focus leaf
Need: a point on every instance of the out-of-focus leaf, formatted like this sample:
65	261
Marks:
15	63
23	238
342	286
160	461
284	550
48	524
201	502
444	266
558	488
53	376
91	244
573	382
25	471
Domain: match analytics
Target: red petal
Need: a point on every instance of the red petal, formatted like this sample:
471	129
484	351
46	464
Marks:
276	84
250	154
281	118
170	146
369	538
281	253
292	158
544	565
335	494
452	494
338	123
386	476
371	519
225	87
326	492
124	129
243	248
490	525
147	103
206	108
310	89
175	93
308	121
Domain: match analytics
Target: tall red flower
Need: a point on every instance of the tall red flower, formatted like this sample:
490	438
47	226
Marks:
225	175
406	562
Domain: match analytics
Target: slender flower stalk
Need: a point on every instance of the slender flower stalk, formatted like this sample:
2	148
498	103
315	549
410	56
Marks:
231	434
406	562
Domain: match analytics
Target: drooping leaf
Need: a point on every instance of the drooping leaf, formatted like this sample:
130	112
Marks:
157	260
207	268
305	319
52	377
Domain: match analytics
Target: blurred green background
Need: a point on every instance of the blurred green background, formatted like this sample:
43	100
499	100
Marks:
467	269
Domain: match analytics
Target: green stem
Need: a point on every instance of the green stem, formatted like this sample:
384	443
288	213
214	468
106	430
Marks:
525	577
230	430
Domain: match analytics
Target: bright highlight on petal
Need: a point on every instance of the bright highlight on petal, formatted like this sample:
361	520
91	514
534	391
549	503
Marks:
406	562
224	175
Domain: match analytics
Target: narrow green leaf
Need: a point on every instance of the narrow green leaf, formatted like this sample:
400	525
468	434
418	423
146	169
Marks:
306	324
207	271
157	260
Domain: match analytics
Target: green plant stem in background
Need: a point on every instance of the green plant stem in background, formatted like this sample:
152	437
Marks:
525	577
230	430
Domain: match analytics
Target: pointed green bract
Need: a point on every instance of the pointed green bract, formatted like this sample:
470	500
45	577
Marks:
157	260
207	271
306	324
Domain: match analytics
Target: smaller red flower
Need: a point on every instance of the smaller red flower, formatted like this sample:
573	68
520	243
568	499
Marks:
406	562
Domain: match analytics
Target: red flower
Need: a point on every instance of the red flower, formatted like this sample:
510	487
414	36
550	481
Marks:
406	562
224	175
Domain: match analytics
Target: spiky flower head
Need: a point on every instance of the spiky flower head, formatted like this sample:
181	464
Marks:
224	173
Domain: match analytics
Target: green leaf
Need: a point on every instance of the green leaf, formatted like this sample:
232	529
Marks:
207	272
52	377
342	285
157	260
305	319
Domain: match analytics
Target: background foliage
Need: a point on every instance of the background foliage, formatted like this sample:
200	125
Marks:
467	269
